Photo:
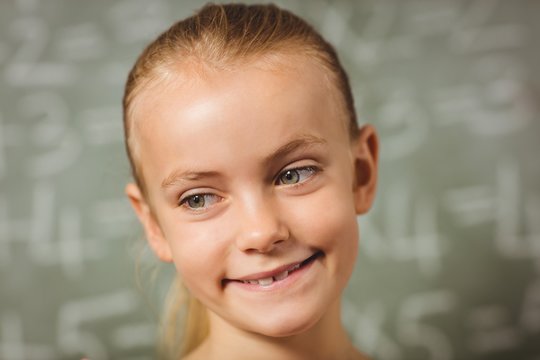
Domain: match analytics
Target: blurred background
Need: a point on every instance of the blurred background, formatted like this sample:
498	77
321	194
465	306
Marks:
450	263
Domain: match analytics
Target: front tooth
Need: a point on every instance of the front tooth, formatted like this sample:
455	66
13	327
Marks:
266	281
281	276
253	282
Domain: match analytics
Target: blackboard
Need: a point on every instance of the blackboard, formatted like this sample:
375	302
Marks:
450	253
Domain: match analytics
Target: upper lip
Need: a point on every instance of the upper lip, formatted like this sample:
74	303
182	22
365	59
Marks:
274	272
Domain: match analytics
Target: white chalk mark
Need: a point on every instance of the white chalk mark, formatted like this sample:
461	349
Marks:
402	47
71	252
12	230
335	24
368	48
477	14
33	34
27	5
508	239
492	122
113	73
454	103
49	115
5	234
73	316
135	336
136	20
102	126
428	240
83	41
367	331
422	243
26	68
499	107
57	160
530	310
41	246
491	330
367	53
380	23
411	331
73	248
396	221
428	18
12	337
532	217
114	217
40	74
4	50
51	131
409	230
490	38
3	166
495	341
506	227
12	344
488	316
13	135
409	126
471	205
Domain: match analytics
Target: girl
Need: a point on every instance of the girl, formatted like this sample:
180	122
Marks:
249	172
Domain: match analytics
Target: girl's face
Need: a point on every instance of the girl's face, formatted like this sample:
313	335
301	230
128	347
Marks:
253	187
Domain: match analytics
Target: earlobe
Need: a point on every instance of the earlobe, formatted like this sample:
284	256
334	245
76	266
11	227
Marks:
152	230
366	157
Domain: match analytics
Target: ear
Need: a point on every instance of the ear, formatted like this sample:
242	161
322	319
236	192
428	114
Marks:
366	156
153	232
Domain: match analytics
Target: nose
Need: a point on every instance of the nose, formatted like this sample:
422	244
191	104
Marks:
261	228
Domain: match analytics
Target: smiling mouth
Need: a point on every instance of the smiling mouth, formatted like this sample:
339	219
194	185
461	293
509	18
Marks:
269	280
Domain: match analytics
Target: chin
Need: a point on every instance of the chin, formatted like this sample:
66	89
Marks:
285	325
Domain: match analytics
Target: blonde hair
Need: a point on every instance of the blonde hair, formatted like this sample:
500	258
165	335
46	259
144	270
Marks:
216	35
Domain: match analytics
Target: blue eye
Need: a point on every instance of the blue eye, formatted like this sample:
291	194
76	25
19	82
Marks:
295	176
199	201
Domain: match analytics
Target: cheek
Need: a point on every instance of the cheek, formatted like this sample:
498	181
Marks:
197	254
328	220
331	226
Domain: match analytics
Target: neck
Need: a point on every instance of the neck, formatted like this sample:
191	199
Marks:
327	339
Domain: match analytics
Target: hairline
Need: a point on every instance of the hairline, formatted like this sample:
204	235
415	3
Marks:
168	76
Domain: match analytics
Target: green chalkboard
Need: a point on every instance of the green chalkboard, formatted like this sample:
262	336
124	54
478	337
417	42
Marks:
450	254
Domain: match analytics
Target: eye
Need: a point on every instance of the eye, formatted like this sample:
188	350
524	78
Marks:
199	202
295	176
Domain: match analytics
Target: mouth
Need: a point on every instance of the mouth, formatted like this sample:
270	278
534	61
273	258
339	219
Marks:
268	278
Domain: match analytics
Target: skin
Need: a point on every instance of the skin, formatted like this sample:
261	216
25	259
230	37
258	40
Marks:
230	137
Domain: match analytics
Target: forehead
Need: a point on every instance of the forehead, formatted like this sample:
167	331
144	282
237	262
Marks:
205	111
193	73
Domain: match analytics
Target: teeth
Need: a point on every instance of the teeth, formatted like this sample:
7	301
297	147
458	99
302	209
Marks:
269	280
281	276
266	281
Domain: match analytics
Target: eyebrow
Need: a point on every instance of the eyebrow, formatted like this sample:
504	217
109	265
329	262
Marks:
177	176
300	143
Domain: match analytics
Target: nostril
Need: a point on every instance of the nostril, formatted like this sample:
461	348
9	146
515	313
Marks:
264	247
262	228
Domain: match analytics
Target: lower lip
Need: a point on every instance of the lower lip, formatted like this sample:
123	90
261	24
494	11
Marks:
278	284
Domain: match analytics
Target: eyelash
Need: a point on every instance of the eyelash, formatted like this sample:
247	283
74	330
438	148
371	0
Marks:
185	201
312	170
